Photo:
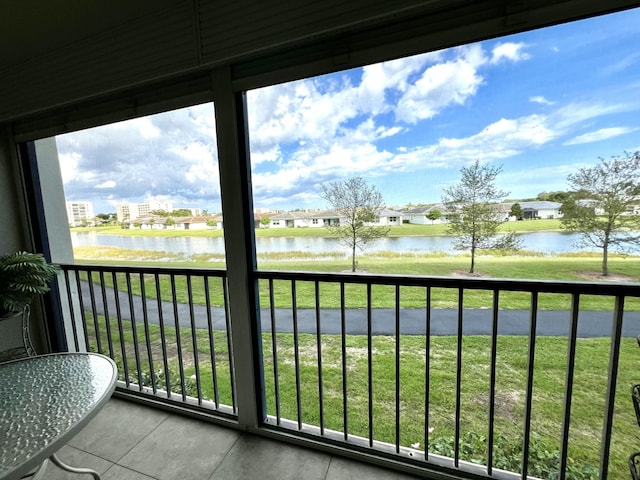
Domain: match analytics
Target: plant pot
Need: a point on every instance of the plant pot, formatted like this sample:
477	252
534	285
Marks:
15	340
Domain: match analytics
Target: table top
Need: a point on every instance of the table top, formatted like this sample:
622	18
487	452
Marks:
44	401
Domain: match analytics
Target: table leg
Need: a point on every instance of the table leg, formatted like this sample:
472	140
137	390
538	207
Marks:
60	464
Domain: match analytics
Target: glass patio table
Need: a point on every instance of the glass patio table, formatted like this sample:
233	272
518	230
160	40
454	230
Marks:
44	402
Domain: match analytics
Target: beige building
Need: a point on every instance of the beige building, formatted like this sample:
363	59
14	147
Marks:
129	211
79	211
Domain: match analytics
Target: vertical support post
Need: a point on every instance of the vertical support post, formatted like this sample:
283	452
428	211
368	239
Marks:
50	233
237	209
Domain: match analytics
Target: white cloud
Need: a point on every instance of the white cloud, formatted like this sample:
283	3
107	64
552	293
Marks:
270	155
509	51
541	100
501	139
623	64
69	166
575	113
172	154
145	127
384	132
396	73
598	135
107	184
441	85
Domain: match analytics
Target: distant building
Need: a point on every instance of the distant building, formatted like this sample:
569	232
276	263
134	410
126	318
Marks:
420	215
541	209
79	213
328	218
130	211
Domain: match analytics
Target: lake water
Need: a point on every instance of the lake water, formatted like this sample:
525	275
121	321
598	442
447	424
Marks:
547	242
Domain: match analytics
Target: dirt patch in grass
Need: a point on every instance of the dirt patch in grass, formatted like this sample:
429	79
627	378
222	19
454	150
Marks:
595	276
465	273
507	404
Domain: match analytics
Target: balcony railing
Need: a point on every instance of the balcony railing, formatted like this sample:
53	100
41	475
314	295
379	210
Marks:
161	328
453	375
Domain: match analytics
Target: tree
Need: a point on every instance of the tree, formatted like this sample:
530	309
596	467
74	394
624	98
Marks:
474	218
608	216
434	215
170	222
516	211
181	212
357	205
559	197
265	221
212	223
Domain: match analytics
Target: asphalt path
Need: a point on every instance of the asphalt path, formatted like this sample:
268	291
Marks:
591	324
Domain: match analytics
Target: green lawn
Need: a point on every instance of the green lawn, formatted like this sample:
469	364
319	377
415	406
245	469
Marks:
518	267
589	388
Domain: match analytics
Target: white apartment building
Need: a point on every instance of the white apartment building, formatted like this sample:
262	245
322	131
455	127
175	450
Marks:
130	211
79	211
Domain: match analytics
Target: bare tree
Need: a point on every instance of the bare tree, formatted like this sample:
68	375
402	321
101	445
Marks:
473	213
357	205
609	215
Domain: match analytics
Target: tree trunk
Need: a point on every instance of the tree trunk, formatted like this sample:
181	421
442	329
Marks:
605	258
353	258
473	258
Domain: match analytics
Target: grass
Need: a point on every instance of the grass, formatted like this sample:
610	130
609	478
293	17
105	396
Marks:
545	268
588	401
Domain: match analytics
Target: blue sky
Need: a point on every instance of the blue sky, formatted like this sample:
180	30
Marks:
541	104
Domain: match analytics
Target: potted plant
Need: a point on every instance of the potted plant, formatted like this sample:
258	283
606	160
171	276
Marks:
23	275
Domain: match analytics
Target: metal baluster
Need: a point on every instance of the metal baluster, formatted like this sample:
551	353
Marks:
94	312
458	377
123	348
319	348
134	330
397	368
492	380
176	321
614	358
568	392
83	314
145	319
427	371
529	395
225	288
296	353
370	363
274	348
194	338
163	337
345	414
105	306
212	346
74	328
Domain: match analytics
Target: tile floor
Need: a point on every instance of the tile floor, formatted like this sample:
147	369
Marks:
128	441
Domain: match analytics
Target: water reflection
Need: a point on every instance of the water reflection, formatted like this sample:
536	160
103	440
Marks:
547	242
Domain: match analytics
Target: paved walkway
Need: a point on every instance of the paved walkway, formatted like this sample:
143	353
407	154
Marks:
412	320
